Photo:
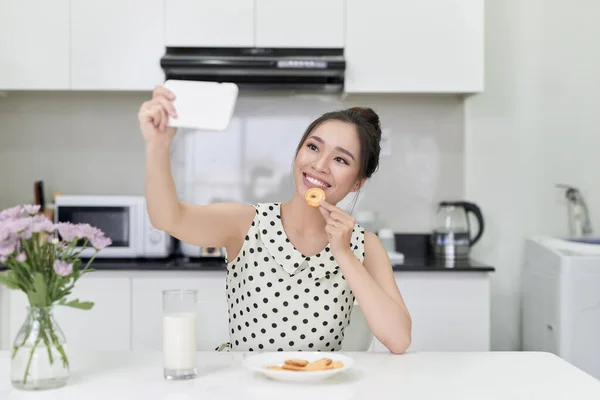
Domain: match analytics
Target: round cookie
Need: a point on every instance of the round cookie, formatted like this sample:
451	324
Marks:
313	197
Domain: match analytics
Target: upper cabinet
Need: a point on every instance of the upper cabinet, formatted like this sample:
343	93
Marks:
34	45
116	50
209	23
414	46
308	23
401	46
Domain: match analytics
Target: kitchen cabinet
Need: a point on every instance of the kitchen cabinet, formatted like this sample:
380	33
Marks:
105	327
116	50
309	23
209	23
34	45
414	46
450	311
212	322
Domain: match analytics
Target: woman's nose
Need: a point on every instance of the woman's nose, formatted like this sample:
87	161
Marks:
321	164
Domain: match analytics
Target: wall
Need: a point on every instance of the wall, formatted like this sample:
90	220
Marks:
536	125
83	142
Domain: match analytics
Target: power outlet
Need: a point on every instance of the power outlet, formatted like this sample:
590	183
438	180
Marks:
386	143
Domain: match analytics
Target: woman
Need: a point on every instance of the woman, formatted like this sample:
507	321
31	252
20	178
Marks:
293	270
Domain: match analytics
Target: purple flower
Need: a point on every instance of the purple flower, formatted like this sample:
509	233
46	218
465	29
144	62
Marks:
21	257
31	209
100	242
11	214
39	223
62	268
18	227
67	231
8	247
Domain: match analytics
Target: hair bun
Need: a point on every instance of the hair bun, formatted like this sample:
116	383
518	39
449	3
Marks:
371	116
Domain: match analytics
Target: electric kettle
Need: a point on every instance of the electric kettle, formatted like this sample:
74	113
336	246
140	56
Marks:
452	238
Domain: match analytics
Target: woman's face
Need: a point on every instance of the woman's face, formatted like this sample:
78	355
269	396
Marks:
329	159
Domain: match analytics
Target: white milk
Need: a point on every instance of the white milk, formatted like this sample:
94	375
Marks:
179	341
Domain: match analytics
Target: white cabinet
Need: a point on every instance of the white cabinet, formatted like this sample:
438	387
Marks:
105	327
147	307
116	44
34	45
209	23
309	23
450	311
414	46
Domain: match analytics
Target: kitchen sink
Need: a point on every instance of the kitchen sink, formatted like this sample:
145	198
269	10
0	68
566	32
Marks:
585	240
588	246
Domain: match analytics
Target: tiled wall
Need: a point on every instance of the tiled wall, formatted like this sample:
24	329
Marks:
90	143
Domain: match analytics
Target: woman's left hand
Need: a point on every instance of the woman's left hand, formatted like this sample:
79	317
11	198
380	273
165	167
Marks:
339	228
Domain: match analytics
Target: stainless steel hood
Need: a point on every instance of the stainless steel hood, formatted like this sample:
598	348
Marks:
277	69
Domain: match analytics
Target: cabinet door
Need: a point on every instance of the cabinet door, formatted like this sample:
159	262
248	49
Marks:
209	23
105	327
449	311
309	23
147	308
116	44
34	45
414	46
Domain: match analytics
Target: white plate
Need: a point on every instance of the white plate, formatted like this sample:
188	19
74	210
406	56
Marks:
202	105
259	362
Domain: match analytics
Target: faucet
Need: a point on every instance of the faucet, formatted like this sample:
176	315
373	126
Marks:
579	217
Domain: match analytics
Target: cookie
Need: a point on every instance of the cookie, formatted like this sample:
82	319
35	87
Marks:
313	197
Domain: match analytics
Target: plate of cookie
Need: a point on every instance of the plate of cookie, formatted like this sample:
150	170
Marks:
298	366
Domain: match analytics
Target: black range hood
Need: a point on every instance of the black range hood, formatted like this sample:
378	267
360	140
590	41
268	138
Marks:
277	69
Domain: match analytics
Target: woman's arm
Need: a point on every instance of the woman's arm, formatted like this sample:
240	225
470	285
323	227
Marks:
213	225
375	289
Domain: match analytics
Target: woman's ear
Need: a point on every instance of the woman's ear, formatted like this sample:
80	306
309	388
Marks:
359	184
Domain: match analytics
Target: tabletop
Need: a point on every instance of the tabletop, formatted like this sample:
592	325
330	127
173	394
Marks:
418	375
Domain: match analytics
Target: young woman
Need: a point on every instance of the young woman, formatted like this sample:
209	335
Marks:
293	270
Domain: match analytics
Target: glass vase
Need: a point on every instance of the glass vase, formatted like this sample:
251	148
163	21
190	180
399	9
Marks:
39	359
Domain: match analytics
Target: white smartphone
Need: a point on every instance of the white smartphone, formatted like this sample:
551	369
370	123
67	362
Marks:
202	105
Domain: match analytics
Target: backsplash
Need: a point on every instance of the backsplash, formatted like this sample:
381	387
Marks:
84	142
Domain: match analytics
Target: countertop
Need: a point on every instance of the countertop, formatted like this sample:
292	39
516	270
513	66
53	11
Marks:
216	264
414	376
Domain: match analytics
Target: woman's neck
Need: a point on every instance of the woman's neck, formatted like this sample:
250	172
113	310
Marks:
301	217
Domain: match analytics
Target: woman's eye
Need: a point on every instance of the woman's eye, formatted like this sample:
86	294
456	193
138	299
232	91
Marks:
340	159
311	146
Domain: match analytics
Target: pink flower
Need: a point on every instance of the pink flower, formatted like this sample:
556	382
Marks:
11	213
39	223
8	247
100	242
21	257
67	231
62	268
31	209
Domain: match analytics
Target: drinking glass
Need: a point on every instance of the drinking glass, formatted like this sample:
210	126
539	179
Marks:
179	334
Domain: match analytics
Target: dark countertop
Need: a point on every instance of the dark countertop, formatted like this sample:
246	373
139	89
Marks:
218	264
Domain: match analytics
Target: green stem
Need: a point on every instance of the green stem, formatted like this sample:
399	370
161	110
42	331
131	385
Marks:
57	344
37	341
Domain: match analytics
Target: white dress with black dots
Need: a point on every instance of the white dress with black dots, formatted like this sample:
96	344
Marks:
280	300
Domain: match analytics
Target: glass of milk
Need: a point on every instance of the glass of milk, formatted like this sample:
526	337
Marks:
179	334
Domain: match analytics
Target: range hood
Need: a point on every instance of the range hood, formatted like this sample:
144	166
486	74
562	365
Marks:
277	69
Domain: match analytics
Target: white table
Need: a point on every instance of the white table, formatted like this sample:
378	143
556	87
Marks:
464	376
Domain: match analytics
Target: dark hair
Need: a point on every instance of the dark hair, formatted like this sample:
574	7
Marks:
366	122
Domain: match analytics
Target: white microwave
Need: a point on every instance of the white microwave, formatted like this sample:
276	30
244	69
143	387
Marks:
124	219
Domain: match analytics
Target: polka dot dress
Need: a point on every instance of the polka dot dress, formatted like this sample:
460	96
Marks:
280	300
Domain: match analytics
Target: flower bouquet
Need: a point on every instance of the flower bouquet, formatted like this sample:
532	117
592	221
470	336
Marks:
43	261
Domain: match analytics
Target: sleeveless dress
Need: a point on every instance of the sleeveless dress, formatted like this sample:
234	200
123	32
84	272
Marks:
281	300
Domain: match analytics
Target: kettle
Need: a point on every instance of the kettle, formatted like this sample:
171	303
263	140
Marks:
452	238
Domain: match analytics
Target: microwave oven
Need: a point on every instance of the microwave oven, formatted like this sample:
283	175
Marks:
123	219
